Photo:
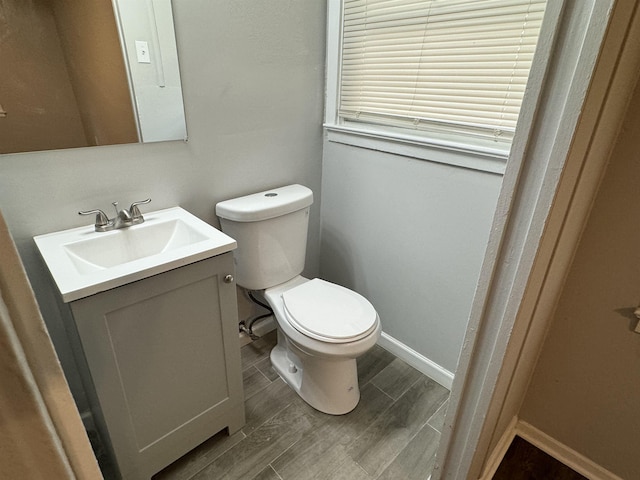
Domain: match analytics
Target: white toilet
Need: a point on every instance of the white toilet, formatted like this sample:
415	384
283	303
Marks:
322	327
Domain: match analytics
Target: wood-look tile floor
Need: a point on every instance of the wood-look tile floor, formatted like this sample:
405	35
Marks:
392	434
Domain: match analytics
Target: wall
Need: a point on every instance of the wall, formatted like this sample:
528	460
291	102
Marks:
38	413
156	84
253	80
35	88
585	391
93	56
410	235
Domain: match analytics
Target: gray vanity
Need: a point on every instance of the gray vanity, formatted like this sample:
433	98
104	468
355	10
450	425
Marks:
159	337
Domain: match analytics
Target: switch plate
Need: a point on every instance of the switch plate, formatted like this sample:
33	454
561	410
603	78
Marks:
142	51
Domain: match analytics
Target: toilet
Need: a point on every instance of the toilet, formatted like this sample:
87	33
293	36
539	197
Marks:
322	327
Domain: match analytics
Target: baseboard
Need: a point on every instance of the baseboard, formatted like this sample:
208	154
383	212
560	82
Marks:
400	350
547	444
500	450
578	462
418	361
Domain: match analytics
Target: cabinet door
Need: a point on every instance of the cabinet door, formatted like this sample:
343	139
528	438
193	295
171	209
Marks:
164	358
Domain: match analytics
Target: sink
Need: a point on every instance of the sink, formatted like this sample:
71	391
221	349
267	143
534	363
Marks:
130	244
84	262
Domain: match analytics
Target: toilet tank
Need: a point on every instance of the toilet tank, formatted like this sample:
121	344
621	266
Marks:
271	230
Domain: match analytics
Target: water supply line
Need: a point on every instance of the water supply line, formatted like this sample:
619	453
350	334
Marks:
246	326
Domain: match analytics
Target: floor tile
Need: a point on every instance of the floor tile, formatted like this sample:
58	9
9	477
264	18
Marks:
267	474
390	433
198	458
254	453
320	451
396	378
267	369
258	350
330	459
271	400
348	470
437	420
416	460
373	404
253	380
372	363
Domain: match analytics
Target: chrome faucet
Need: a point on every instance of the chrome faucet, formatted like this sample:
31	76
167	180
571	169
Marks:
124	218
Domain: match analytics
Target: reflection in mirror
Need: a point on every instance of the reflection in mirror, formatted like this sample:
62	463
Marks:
65	82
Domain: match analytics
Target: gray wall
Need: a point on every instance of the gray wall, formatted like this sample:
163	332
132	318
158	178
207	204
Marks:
409	235
253	81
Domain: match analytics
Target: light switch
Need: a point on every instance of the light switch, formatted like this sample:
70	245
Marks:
142	51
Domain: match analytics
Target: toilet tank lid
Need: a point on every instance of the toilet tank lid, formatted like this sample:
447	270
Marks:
264	205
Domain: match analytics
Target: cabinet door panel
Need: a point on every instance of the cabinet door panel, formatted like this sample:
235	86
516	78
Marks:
170	362
163	355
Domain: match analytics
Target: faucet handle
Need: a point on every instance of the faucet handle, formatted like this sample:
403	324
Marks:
135	211
102	221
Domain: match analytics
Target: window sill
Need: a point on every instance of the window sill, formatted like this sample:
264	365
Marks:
439	150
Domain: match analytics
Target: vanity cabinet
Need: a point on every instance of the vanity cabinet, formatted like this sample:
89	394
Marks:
164	360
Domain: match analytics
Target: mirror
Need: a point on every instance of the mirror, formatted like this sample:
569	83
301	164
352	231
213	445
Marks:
78	73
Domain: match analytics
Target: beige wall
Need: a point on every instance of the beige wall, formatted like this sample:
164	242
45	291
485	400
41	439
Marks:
97	70
585	391
42	435
35	89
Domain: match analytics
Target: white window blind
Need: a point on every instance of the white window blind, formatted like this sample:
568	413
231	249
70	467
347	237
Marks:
456	66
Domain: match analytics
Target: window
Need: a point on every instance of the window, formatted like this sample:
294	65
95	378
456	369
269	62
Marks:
453	68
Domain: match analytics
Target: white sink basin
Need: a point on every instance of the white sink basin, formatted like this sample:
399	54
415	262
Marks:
84	262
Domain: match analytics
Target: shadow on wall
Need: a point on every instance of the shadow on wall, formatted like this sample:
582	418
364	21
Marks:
336	261
629	314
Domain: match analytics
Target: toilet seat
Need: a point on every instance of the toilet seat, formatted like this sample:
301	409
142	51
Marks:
328	312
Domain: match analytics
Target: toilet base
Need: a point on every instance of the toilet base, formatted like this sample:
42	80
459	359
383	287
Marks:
327	384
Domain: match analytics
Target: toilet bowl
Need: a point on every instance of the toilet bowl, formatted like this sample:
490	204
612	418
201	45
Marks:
322	327
316	356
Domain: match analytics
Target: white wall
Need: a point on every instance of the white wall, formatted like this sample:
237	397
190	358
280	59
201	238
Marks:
240	62
410	235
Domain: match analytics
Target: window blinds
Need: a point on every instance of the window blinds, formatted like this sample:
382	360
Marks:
458	66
